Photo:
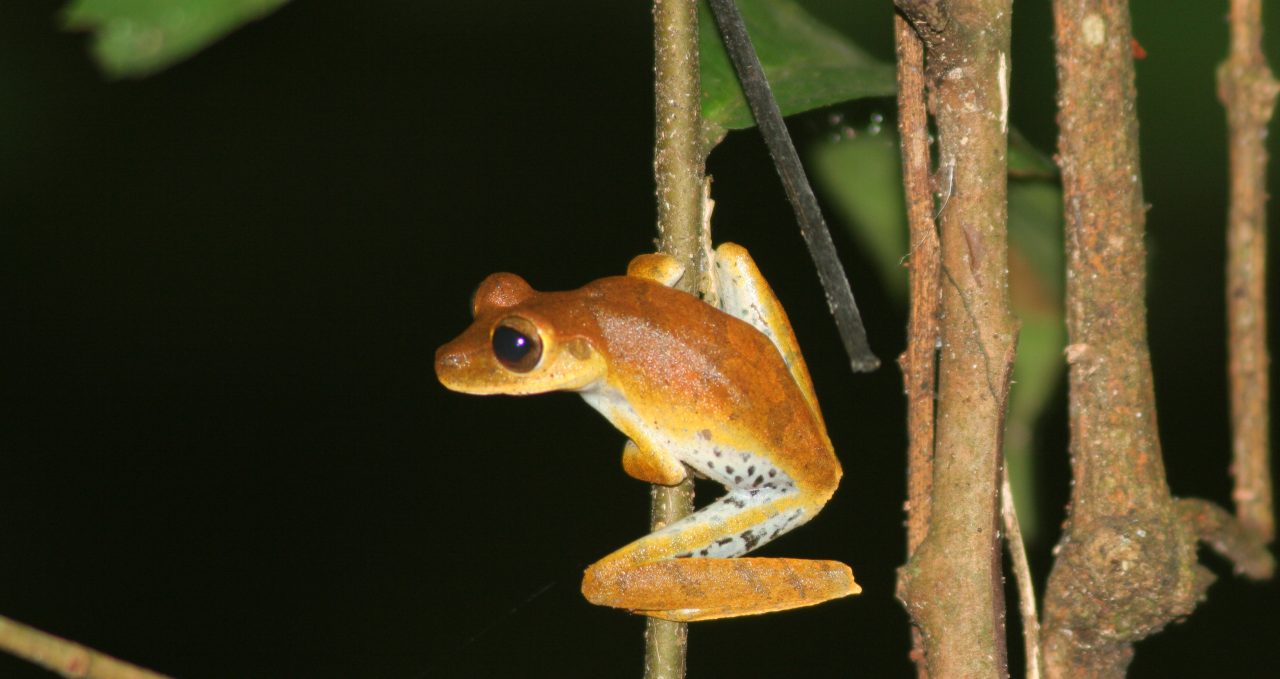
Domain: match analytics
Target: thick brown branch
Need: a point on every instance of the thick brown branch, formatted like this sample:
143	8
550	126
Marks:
952	585
1126	563
919	361
1248	91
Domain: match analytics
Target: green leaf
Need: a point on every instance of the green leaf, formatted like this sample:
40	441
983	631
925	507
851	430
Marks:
1037	370
1027	161
1035	234
808	64
134	38
861	174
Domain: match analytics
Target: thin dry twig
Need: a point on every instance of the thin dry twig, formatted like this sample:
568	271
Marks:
1022	577
952	585
1248	91
65	657
1215	527
919	361
679	169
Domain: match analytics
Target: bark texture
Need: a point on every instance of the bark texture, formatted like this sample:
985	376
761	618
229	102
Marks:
678	168
1126	565
919	363
952	583
1248	90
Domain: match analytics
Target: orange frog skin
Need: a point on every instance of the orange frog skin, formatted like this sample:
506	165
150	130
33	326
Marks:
724	393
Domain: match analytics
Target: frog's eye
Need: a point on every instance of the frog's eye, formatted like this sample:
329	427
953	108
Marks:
516	344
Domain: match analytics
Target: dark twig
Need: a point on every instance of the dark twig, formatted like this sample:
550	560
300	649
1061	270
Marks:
812	226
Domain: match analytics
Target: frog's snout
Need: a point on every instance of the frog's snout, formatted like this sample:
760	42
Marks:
449	363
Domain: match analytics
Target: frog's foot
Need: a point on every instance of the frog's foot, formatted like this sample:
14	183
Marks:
656	266
686	571
691	589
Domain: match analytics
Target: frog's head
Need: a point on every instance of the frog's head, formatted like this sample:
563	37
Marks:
517	344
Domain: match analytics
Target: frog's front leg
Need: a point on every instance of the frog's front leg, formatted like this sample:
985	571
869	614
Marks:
652	466
686	571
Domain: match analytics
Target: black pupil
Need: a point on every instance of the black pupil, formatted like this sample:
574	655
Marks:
510	345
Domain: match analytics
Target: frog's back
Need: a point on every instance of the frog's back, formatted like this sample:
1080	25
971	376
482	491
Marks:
690	367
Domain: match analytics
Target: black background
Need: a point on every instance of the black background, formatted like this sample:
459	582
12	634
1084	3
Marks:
224	450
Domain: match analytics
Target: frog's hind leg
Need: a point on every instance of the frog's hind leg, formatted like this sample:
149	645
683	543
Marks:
686	572
745	294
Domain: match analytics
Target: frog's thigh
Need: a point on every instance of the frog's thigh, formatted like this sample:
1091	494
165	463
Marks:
683	571
652	466
656	266
745	294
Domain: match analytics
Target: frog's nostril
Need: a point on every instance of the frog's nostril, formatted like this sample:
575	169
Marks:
450	360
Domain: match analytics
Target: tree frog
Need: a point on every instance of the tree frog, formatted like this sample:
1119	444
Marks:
720	393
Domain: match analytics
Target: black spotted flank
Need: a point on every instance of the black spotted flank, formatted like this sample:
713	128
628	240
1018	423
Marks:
751	539
735	502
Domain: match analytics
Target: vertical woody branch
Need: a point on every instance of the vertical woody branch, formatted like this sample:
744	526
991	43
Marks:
1248	91
919	361
952	584
679	159
678	167
1126	563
